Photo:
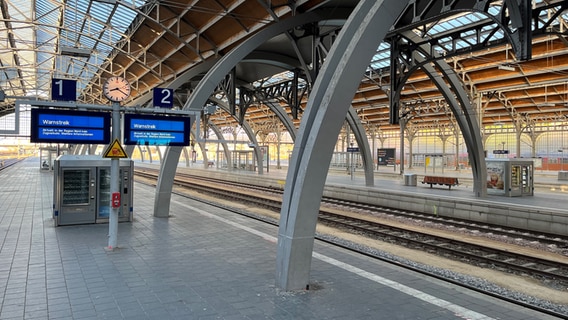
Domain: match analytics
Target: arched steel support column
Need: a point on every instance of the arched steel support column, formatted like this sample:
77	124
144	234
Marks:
186	156
202	146
93	148
462	108
168	169
129	150
283	117
149	152
226	150
363	143
322	120
356	126
248	130
141	153
165	183
209	83
159	153
75	149
468	123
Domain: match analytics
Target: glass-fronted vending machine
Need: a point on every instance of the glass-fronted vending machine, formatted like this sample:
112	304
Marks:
76	196
81	190
510	177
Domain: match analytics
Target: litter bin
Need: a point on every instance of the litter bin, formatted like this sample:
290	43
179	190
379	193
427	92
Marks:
562	175
410	179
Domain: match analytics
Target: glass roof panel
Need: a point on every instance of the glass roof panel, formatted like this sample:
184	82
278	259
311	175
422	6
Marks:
93	26
38	33
277	78
381	59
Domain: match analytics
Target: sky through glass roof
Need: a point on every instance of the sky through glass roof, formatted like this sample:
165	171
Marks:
39	36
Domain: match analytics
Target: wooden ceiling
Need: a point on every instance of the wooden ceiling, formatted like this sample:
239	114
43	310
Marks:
170	38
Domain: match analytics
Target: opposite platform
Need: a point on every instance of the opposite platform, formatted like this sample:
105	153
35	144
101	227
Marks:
545	211
201	263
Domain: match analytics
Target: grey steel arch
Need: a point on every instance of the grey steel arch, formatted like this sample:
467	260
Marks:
149	150
461	106
363	143
322	120
92	148
130	149
159	153
354	122
219	135
275	107
202	147
248	130
139	150
208	84
75	149
203	92
165	182
186	156
84	148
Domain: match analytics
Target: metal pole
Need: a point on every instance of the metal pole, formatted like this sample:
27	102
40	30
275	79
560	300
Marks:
402	129
352	165
114	180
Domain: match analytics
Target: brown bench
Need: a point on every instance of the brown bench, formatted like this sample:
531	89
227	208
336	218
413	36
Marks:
447	181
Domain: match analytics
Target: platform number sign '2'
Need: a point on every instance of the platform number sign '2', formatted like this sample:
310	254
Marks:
163	98
63	89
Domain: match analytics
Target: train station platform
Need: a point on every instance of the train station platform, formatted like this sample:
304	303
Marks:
543	211
549	191
201	263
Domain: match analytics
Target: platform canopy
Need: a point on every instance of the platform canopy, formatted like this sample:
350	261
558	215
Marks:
153	43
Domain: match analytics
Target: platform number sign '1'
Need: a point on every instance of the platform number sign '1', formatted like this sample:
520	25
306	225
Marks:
63	89
163	98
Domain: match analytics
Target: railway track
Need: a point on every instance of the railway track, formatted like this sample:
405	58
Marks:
515	235
548	271
449	247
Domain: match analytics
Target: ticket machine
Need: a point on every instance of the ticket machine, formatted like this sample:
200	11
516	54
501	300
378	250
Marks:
510	177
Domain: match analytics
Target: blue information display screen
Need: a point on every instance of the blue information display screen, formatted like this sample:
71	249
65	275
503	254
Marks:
156	130
69	126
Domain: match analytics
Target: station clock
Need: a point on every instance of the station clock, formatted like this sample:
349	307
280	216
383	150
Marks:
116	89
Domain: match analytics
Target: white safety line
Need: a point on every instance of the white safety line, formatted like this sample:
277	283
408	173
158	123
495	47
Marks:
456	309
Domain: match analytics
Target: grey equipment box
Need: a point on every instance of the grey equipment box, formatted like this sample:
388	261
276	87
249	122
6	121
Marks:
410	179
81	189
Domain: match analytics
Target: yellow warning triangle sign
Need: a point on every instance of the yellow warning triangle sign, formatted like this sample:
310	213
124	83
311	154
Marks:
115	150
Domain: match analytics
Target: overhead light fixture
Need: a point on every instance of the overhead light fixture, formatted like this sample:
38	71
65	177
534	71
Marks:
506	67
74	52
547	104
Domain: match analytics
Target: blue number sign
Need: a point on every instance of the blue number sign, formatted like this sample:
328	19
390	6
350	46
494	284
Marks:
163	98
63	89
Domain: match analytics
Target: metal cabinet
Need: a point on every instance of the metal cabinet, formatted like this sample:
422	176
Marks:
81	190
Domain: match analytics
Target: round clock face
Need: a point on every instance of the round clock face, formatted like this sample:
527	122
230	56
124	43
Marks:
116	89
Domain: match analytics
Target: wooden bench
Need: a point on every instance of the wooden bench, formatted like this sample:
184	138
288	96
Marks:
447	181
